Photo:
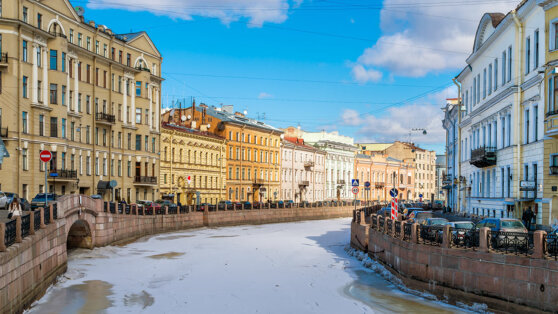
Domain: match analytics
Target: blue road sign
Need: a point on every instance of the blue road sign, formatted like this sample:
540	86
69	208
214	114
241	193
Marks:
354	182
393	192
367	184
420	195
53	174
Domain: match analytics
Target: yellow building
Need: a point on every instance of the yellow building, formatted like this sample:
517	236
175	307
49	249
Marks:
193	164
89	96
550	170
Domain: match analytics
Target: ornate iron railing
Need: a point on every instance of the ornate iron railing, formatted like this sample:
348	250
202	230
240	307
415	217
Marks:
112	208
4	57
551	246
464	238
37	220
407	232
120	207
184	209
55	210
375	222
159	210
105	206
127	209
390	226
397	227
511	242
100	116
10	234
46	215
431	235
381	224
173	210
25	225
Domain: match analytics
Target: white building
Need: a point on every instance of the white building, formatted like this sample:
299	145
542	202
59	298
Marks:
302	171
501	129
339	164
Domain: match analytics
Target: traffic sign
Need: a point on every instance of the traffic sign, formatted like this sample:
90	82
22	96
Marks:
354	182
367	184
420	195
189	179
393	192
113	183
355	190
45	156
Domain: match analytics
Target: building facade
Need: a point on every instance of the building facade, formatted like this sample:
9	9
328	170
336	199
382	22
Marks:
453	181
193	165
502	134
302	171
89	96
339	165
425	174
440	194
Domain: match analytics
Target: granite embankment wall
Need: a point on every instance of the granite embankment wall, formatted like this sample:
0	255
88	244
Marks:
505	282
32	262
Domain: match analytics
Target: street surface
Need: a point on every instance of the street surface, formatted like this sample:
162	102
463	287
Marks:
278	268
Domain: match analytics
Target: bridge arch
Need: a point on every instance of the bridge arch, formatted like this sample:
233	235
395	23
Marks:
79	235
81	217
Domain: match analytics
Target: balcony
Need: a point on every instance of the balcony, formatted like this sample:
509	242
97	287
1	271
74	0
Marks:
4	59
62	175
551	123
144	180
341	182
259	182
483	157
304	184
102	117
141	68
3	132
309	164
553	170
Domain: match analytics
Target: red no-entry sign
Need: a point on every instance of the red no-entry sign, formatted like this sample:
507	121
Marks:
45	156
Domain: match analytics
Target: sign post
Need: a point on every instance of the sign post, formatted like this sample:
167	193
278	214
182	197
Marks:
394	210
45	156
366	191
355	192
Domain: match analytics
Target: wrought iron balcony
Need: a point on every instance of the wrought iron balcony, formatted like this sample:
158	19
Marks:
309	164
145	180
104	117
57	34
4	58
259	182
304	183
63	174
483	157
553	170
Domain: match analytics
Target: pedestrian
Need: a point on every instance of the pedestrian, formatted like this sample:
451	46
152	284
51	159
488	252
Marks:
529	215
14	209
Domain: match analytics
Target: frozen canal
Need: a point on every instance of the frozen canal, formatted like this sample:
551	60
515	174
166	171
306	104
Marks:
279	268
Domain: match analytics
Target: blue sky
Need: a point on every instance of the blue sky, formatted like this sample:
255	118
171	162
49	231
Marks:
369	69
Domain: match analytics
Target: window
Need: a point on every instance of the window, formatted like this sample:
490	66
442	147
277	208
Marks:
489	79
120	168
96	136
88	43
527	55
96	166
80	42
128	59
153	145
24	122
484	84
53	93
24	159
71	35
138	89
138	115
41	125
536	49
495	74
478	89
72	131
96	46
120	56
536	123
504	63
63	95
25	15
474	90
24	52
63	128
138	142
53	60
129	168
53	127
63	64
104	137
526	126
147	144
509	63
130	141
24	88
88	134
39	20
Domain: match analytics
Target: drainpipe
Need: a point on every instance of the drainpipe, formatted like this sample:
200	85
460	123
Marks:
458	144
518	96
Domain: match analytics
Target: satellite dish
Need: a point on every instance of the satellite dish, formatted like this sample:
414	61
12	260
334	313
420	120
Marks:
208	126
183	118
189	117
79	11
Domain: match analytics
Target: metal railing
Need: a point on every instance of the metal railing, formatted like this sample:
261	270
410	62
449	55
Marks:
4	57
112	208
101	116
10	234
145	179
46	215
381	224
431	235
407	232
375	222
141	68
25	225
57	34
64	174
390	226
511	242
397	230
464	238
551	246
55	210
37	220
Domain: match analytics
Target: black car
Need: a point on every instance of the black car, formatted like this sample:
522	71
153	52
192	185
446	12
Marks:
25	205
224	205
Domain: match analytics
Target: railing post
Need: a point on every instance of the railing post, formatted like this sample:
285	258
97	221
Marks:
32	223
166	210
402	231
51	218
414	233
484	244
2	236
42	211
378	222
385	225
18	229
539	238
362	218
446	234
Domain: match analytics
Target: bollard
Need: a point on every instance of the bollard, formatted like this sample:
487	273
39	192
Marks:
446	237
484	234
18	229
32	223
42	211
539	238
414	233
378	222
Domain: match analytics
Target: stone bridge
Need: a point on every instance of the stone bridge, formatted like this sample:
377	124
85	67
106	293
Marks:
33	248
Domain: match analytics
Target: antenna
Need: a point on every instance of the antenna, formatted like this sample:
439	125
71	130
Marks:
79	11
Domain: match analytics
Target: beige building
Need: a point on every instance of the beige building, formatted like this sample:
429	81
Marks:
423	162
89	96
193	165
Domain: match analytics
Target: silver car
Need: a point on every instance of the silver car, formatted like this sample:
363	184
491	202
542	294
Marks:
3	200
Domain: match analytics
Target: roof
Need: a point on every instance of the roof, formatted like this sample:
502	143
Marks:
230	117
496	18
299	142
363	156
172	126
129	36
393	159
375	147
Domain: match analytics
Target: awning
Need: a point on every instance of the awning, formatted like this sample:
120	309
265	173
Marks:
103	185
3	151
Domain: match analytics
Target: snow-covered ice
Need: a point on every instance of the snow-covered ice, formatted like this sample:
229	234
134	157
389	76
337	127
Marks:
298	267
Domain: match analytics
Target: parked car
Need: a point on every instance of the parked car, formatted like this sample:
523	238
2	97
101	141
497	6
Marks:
432	222
97	197
247	205
39	200
11	196
419	216
168	203
460	231
25	205
409	210
203	206
552	241
384	211
289	203
497	225
224	205
3	200
257	205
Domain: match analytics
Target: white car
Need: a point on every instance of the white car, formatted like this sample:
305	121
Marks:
3	201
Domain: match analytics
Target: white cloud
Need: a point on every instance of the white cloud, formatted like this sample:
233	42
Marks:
363	75
257	11
419	38
351	117
264	95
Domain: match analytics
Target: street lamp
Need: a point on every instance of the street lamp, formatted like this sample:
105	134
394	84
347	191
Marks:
424	132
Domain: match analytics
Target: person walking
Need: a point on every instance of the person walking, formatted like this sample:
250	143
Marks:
14	209
527	217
